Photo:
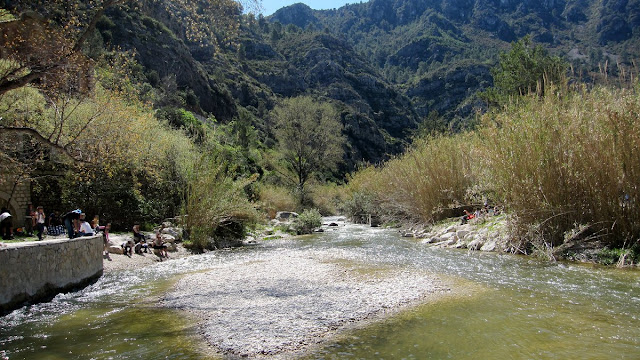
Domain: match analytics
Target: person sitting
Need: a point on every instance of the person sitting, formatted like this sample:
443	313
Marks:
140	239
85	227
159	247
467	216
127	247
6	224
95	224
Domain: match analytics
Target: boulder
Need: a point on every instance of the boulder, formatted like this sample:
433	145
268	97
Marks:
173	231
115	249
168	238
490	245
430	240
171	247
476	243
286	215
448	236
460	234
460	245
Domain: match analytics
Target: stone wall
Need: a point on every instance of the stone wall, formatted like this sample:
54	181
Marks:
15	198
34	271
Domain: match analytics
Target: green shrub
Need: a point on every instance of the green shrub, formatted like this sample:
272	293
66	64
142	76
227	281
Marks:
306	222
216	207
434	175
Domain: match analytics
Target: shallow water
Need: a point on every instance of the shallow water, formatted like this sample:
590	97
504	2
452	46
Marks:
515	308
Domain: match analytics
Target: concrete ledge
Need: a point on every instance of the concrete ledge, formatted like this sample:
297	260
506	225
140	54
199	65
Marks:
36	271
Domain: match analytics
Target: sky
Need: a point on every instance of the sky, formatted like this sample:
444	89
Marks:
270	6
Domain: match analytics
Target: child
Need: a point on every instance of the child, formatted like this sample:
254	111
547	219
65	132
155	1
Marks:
105	238
40	219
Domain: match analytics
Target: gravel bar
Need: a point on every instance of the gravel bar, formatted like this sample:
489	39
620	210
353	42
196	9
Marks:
287	301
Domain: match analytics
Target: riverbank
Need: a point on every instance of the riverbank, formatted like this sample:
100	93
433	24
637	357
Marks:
492	233
117	262
287	300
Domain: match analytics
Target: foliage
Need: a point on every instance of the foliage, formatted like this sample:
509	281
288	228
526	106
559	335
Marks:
275	198
306	222
45	42
216	205
553	162
557	162
433	176
327	197
359	206
309	138
619	256
525	69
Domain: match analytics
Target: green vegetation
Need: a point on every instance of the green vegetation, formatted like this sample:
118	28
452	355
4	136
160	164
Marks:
306	222
523	70
553	162
309	138
221	117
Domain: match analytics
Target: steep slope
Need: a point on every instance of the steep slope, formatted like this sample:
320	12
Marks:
265	63
439	52
375	116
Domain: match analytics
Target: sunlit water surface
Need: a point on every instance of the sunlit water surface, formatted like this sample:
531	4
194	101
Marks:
514	308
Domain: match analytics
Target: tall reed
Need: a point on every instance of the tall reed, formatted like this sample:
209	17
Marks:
435	175
558	162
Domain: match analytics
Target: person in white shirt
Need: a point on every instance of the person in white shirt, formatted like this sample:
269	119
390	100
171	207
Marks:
85	227
6	224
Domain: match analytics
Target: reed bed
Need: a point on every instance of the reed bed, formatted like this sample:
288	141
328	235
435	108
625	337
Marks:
556	163
435	175
561	162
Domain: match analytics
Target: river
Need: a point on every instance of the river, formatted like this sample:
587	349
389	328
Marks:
513	307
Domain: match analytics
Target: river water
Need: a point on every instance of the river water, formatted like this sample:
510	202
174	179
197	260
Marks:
512	308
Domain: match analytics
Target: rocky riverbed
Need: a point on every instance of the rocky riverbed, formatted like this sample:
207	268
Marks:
291	300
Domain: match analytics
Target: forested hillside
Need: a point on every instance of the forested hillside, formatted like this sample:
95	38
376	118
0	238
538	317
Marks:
209	85
439	52
388	65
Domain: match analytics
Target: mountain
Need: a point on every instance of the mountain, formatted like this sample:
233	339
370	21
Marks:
387	65
439	52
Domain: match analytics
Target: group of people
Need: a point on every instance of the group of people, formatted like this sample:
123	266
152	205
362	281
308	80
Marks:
36	220
75	221
75	224
478	213
140	245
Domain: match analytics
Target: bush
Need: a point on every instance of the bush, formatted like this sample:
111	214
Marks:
306	222
275	198
433	176
327	198
217	207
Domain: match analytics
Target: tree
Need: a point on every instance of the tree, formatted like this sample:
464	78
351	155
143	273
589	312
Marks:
42	41
309	137
524	69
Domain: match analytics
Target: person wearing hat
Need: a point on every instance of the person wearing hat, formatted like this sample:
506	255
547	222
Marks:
71	220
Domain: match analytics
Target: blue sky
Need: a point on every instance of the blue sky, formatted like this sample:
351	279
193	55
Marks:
270	6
